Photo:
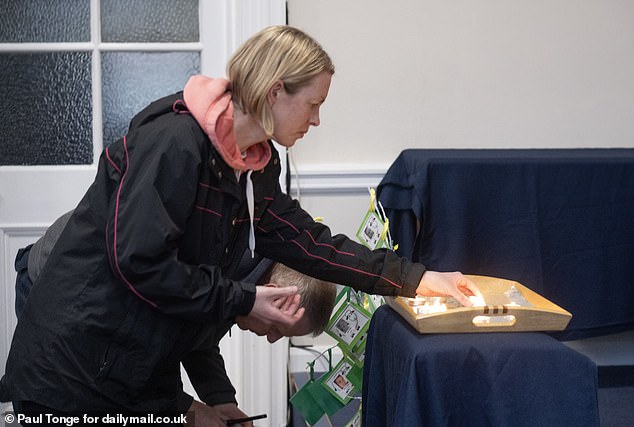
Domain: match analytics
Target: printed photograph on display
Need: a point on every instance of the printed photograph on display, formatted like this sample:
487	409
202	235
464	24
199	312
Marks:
370	232
349	324
338	381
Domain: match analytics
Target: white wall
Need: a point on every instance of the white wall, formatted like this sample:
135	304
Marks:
475	74
459	74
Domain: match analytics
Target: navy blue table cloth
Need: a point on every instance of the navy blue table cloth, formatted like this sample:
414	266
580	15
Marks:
483	379
559	221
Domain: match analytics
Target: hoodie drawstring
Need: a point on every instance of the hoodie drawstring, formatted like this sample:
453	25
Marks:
250	206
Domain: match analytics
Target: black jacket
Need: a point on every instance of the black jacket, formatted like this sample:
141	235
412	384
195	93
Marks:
145	272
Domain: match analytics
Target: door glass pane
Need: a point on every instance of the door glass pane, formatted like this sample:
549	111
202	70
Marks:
149	21
47	113
131	80
30	21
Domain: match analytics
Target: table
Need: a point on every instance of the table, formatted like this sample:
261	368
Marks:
559	221
484	379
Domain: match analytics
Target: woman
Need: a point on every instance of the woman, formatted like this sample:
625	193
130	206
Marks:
181	208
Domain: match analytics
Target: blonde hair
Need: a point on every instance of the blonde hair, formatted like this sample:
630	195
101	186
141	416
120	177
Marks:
317	296
276	53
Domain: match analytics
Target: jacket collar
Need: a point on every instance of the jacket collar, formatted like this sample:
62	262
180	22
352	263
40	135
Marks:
209	101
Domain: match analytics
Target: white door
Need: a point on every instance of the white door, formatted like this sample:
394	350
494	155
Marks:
32	197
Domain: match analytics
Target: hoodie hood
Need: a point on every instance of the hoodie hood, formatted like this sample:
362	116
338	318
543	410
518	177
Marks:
209	101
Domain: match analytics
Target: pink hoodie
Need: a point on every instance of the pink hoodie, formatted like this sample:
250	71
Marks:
209	101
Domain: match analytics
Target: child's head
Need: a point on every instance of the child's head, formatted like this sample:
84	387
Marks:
316	296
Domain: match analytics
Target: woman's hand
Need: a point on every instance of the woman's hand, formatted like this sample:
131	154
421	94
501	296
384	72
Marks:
276	305
455	284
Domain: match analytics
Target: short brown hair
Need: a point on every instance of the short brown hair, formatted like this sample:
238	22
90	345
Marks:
276	53
317	296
